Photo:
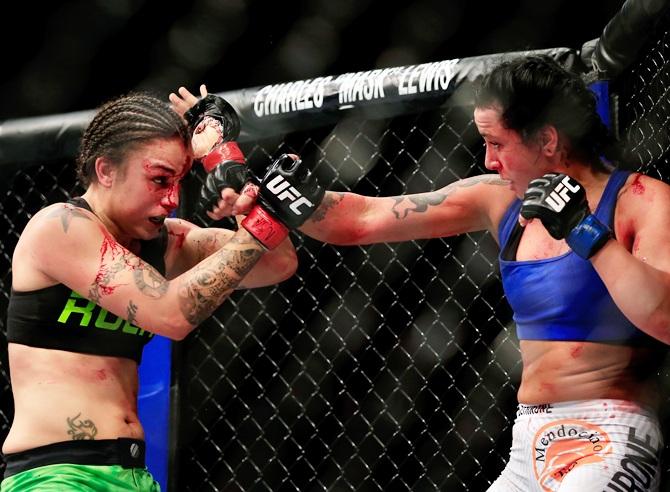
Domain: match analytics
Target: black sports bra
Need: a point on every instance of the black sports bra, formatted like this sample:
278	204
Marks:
58	318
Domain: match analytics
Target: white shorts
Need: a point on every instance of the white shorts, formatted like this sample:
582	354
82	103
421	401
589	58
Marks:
582	446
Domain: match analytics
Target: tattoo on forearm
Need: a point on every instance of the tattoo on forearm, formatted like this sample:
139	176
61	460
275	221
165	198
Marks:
80	429
423	201
66	214
208	245
150	282
131	312
330	200
240	264
207	284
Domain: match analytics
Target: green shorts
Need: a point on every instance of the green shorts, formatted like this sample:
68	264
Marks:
114	465
82	478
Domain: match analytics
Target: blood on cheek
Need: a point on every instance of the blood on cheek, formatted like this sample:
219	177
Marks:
166	193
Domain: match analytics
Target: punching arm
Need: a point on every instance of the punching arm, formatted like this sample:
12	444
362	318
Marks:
288	195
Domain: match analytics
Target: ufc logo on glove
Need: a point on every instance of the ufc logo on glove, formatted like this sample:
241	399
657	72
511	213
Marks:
283	190
560	195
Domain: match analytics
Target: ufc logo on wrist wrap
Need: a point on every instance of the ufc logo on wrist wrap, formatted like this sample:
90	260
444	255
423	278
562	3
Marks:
560	195
283	190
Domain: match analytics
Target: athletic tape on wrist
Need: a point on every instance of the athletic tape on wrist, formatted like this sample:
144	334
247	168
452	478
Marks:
588	236
227	151
265	228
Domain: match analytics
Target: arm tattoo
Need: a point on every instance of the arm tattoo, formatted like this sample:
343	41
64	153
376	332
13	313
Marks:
208	284
67	214
243	262
114	258
423	201
131	312
81	430
331	200
208	245
150	282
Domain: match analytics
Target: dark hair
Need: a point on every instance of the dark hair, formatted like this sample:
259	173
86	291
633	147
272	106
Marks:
122	123
535	91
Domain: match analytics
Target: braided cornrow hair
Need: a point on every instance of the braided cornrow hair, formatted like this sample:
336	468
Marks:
122	123
534	91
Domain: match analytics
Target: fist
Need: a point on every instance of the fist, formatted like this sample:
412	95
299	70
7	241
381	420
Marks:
217	109
558	201
289	192
227	174
287	196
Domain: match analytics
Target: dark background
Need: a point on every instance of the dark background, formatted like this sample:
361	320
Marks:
74	55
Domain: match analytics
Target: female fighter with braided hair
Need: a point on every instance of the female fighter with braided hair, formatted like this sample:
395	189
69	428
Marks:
585	266
96	277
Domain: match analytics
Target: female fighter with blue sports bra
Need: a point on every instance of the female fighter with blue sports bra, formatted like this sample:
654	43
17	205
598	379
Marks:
585	265
94	278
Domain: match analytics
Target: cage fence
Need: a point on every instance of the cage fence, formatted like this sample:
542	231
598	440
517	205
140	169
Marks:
384	367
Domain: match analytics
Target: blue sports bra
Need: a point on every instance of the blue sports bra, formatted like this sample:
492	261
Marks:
563	298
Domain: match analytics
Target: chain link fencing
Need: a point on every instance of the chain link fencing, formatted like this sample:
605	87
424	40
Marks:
373	367
385	367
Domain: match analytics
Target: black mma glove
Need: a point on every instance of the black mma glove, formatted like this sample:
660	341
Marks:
225	162
219	110
226	174
560	203
288	195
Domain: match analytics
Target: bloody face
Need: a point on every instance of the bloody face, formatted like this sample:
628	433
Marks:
145	190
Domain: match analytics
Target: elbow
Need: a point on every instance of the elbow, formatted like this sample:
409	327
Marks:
173	325
179	331
179	335
657	325
653	319
286	267
355	233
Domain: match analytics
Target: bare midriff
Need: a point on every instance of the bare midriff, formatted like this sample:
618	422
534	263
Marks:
64	396
556	371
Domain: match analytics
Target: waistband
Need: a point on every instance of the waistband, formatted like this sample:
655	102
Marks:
566	409
128	453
